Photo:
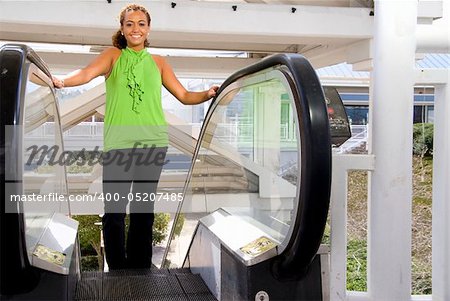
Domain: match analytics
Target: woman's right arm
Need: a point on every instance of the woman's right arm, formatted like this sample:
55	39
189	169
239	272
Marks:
101	65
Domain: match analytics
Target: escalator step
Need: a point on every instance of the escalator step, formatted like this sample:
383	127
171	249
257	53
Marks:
160	271
192	284
173	285
154	286
165	298
92	275
89	290
116	288
201	297
180	271
135	272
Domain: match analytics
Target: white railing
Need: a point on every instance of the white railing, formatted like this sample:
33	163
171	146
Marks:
89	130
342	164
86	129
231	133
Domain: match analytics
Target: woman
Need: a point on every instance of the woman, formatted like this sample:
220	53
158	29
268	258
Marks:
135	128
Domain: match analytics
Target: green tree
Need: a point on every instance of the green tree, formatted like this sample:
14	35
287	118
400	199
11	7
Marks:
89	230
89	237
160	227
423	139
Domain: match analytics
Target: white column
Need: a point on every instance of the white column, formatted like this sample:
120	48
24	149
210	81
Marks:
338	239
390	187
441	194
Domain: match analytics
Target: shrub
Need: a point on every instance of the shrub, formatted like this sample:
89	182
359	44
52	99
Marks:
423	139
160	226
90	263
90	245
89	234
89	237
179	224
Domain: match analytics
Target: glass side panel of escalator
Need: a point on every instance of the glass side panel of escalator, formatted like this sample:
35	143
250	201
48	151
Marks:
44	178
247	162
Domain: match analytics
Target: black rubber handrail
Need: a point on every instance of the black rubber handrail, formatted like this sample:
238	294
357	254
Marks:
17	274
315	181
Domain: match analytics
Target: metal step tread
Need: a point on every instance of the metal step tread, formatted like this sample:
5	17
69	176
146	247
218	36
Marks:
143	284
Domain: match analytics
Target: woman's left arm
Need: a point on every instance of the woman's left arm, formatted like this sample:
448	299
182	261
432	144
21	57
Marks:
173	85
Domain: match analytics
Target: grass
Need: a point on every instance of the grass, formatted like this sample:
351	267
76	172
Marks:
356	265
421	228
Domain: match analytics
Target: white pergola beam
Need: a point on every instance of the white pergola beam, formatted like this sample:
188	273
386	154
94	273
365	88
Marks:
206	25
358	53
428	10
325	55
432	76
85	105
210	67
433	39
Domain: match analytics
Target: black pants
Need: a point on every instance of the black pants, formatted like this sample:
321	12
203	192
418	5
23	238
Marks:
130	175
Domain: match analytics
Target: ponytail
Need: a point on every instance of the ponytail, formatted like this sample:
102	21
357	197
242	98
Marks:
118	40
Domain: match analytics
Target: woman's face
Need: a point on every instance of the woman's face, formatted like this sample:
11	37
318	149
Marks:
135	29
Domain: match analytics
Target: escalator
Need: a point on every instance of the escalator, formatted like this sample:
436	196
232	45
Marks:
39	248
254	207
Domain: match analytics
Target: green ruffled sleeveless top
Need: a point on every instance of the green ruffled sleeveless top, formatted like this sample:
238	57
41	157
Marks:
134	115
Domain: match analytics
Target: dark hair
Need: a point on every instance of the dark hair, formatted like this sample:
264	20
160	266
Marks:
118	40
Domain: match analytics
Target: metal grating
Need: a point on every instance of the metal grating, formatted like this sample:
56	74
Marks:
201	297
115	288
145	284
155	285
92	275
89	290
165	298
192	284
136	272
180	271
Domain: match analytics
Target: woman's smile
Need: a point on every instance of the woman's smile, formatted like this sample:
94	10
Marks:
135	29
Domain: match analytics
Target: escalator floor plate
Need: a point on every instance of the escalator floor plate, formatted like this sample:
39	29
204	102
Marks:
151	284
